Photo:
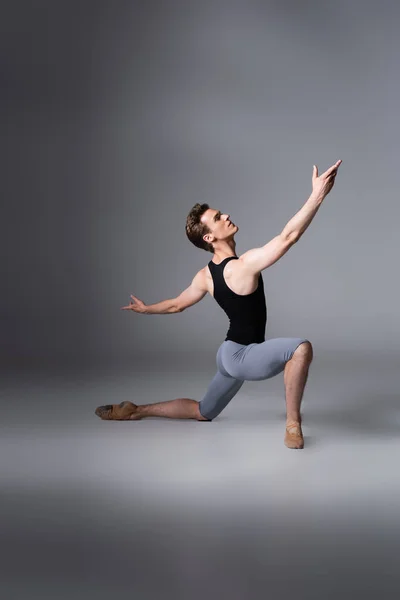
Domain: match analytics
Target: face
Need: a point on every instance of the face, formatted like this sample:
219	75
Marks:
220	225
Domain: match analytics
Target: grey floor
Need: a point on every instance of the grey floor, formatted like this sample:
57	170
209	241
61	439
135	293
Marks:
176	509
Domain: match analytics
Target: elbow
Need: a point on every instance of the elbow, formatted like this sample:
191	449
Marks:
293	237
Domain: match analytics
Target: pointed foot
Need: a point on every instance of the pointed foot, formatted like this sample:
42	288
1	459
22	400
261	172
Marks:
125	411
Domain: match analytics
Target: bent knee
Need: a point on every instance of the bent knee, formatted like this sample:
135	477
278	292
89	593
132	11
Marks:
305	351
198	414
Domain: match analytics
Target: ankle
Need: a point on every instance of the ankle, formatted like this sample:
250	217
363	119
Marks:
292	421
142	410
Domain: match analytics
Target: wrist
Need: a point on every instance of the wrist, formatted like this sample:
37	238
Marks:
317	197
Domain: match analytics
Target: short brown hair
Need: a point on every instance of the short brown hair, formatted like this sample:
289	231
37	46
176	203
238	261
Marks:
195	229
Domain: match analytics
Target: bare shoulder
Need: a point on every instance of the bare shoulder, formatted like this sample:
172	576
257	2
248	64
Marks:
258	259
205	279
193	293
200	278
200	281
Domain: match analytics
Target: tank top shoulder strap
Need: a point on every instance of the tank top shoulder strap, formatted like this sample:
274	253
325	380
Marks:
213	265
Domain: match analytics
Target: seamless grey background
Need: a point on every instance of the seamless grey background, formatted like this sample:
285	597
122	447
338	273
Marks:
120	116
116	118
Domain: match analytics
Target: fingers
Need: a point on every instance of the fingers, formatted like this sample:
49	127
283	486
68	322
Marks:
132	305
332	170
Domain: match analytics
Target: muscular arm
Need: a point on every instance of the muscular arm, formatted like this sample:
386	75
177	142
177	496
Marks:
165	307
193	294
295	228
258	259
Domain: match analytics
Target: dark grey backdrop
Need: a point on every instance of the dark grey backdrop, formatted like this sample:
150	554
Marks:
121	115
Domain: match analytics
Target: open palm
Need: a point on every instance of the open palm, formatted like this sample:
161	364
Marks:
136	305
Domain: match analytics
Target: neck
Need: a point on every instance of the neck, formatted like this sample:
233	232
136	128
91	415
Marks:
223	250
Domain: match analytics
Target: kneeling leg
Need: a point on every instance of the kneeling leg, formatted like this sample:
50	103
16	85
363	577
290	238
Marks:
219	393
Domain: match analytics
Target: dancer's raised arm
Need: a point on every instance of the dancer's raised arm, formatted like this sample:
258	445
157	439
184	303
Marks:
259	259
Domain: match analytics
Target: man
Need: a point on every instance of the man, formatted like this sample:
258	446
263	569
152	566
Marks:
236	284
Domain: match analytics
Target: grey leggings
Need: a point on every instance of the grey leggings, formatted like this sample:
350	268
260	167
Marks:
238	363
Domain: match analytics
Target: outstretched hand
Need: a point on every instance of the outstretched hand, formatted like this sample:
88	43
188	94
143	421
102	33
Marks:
137	306
322	184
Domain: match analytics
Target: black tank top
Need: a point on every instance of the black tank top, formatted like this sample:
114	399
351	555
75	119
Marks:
247	314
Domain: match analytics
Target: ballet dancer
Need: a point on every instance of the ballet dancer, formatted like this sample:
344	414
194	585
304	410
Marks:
236	283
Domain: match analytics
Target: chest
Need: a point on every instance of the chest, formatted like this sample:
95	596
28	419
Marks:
239	280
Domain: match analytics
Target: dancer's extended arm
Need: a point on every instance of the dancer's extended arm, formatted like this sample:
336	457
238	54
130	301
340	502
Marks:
258	259
193	294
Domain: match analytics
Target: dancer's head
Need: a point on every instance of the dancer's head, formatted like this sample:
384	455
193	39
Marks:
207	227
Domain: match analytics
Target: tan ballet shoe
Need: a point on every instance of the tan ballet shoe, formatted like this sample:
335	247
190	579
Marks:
125	411
294	436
